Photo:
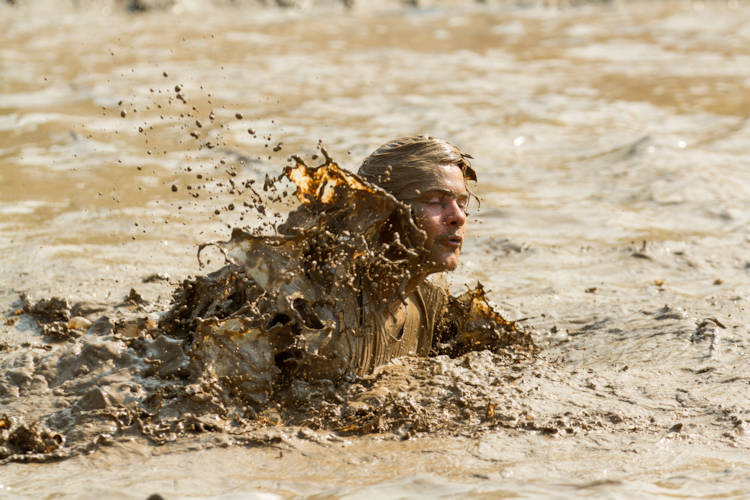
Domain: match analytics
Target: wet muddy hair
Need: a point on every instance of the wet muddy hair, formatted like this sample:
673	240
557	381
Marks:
402	165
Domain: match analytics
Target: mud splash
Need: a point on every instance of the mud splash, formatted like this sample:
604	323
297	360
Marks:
261	341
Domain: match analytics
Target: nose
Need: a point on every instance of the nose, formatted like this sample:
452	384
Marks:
455	215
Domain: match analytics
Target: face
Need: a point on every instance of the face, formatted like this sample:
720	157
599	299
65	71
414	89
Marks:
441	213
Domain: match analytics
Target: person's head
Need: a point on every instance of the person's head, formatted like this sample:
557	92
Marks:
430	175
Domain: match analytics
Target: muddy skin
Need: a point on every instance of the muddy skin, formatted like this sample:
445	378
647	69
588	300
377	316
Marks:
258	342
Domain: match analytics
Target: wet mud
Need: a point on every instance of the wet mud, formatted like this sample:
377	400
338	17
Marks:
259	342
604	354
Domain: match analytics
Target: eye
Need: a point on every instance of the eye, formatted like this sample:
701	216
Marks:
463	204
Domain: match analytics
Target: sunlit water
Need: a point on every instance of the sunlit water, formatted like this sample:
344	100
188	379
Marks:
611	143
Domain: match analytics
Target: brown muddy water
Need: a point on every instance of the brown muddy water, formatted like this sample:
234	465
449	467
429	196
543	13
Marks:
611	145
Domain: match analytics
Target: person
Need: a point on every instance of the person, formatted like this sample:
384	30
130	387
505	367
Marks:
429	175
341	287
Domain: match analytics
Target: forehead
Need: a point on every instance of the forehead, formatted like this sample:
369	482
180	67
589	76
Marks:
447	178
416	182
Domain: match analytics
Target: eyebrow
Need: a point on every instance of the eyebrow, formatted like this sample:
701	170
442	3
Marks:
456	195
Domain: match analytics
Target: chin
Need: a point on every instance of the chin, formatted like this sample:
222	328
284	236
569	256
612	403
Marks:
440	262
450	266
450	263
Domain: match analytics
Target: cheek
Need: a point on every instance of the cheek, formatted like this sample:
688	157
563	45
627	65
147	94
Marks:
431	226
423	219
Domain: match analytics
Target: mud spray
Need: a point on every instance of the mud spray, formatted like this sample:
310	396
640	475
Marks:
259	342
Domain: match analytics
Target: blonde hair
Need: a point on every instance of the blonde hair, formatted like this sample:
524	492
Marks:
404	166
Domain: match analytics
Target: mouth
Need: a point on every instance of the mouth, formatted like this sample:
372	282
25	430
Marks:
452	241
